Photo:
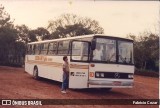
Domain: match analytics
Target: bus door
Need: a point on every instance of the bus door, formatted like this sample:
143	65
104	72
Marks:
79	65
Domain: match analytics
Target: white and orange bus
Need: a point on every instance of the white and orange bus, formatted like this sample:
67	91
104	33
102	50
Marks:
96	61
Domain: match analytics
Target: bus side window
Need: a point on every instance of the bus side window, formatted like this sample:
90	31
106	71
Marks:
52	49
63	47
37	48
32	49
44	48
80	51
29	49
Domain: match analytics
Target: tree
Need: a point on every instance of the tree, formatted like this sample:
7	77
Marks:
38	34
12	40
146	50
23	32
5	18
32	36
42	33
8	35
68	25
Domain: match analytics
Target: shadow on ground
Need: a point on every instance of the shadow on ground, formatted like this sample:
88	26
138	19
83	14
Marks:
89	91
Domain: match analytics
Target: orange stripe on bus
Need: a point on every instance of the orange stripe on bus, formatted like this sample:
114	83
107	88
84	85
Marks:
57	64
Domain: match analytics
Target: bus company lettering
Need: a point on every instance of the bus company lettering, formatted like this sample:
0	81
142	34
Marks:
43	58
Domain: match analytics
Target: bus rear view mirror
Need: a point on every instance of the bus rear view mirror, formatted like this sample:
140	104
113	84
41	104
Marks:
93	44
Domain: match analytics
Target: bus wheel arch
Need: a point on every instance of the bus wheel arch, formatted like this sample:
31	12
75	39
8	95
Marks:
35	72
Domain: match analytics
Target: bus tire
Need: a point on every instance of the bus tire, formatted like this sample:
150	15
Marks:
106	89
35	73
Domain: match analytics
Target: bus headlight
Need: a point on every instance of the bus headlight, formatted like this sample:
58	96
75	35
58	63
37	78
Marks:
102	74
130	75
97	74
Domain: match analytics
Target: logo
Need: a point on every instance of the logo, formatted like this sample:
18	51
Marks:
72	73
117	75
6	102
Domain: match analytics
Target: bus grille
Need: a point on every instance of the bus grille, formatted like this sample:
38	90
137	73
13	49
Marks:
114	75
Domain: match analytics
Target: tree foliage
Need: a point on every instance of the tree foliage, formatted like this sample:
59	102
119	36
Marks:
4	18
23	32
146	51
38	34
68	25
12	47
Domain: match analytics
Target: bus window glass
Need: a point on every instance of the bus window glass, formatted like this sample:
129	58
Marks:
80	50
105	50
63	47
44	48
29	49
52	48
37	48
125	51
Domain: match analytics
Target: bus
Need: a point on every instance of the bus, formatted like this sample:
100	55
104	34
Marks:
95	61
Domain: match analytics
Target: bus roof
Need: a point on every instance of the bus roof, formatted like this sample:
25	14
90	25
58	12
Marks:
77	37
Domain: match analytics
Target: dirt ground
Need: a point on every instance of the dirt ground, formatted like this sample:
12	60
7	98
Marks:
17	84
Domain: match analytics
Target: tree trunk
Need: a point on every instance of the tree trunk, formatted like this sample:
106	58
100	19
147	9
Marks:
145	65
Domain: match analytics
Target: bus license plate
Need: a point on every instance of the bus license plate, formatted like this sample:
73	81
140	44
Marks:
117	83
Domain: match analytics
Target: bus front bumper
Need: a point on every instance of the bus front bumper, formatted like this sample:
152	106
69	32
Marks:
111	84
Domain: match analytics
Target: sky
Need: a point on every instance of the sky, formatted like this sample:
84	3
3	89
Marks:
118	18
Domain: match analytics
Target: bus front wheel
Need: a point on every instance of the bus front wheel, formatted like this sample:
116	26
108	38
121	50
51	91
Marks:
35	73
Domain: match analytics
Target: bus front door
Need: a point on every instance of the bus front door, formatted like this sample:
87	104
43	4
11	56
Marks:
79	65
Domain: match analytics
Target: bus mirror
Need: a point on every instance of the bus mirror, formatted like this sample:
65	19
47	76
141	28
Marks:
93	44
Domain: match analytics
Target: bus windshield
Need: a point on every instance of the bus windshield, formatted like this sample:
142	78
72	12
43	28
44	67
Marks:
106	51
125	51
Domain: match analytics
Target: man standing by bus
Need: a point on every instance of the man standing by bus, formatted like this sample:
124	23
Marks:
65	74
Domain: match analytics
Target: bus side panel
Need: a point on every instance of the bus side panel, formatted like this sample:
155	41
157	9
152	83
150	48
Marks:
52	69
51	72
49	67
29	66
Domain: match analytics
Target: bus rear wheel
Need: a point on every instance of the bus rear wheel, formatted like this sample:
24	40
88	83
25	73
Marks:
35	73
